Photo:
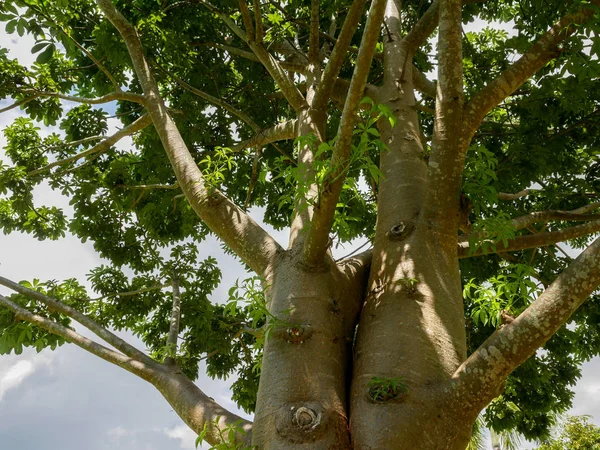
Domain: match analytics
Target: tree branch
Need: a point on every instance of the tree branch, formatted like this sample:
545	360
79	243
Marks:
246	18
576	215
174	326
543	51
338	55
427	24
141	369
19	103
530	240
258	21
447	154
232	225
478	379
280	132
290	91
131	293
195	408
88	322
313	39
423	84
113	96
100	147
317	235
212	99
504	196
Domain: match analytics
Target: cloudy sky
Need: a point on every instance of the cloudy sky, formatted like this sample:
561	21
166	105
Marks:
70	400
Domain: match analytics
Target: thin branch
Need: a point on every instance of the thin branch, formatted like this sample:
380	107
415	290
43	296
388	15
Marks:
100	66
512	344
246	18
84	320
313	40
174	326
544	50
212	99
19	103
291	92
577	215
131	293
149	186
427	24
100	147
338	54
232	225
423	84
280	132
113	96
258	22
530	240
139	368
504	196
317	236
83	49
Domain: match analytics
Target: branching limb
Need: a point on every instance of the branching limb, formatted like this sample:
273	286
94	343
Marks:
232	225
530	240
447	154
196	409
214	100
246	17
504	196
423	84
427	24
137	367
289	66
512	344
280	132
544	50
100	147
338	55
19	103
113	96
258	22
313	39
131	293
55	305
174	326
577	215
291	92
317	236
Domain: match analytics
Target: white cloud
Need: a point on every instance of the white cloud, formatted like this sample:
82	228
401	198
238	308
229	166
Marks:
14	376
186	437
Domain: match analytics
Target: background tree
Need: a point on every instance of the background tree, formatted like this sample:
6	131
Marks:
336	131
576	433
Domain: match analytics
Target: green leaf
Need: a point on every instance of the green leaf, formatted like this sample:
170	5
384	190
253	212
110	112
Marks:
10	26
46	55
37	47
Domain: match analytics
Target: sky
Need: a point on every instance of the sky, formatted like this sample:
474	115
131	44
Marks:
69	399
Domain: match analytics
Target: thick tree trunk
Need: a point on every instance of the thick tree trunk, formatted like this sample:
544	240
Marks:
302	398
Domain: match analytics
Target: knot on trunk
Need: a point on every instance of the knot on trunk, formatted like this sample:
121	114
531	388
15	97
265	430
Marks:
301	423
401	230
306	419
294	334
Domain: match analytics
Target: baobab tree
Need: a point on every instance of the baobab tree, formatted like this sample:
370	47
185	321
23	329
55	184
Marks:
462	158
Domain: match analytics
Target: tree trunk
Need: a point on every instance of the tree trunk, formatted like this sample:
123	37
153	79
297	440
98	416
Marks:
302	398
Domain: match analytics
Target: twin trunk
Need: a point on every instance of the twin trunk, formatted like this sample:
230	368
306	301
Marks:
361	357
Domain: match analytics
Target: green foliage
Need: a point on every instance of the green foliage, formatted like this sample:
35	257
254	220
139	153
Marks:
382	389
226	436
545	136
576	434
510	291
